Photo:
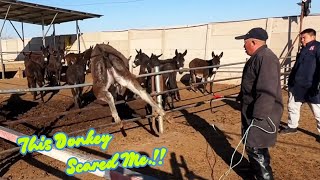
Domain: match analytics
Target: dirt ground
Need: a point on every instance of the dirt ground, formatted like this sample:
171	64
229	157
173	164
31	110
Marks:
196	150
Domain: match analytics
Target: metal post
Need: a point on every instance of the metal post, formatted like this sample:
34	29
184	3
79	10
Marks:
159	98
78	36
301	23
54	36
23	42
2	65
43	38
206	43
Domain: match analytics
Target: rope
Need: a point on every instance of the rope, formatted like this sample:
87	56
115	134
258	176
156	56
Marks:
245	136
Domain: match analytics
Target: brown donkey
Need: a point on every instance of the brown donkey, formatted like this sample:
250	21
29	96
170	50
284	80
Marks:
108	67
204	74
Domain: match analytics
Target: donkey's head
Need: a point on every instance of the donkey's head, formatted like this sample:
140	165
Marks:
154	60
140	59
216	60
55	55
45	52
179	58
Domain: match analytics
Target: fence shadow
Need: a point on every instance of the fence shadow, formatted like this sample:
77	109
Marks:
218	141
10	108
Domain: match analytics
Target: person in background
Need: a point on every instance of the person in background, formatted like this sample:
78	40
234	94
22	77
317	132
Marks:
304	82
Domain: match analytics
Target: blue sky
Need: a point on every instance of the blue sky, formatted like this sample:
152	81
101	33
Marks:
134	14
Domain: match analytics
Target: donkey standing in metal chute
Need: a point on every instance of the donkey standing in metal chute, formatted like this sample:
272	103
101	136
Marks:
204	74
109	66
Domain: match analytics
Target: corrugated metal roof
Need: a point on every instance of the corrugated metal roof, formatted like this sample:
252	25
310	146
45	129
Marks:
33	13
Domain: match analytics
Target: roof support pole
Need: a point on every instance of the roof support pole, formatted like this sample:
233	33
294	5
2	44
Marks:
43	35
78	35
23	41
54	36
2	65
51	23
15	30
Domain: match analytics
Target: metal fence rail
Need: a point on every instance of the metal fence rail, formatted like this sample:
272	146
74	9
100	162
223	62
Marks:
11	91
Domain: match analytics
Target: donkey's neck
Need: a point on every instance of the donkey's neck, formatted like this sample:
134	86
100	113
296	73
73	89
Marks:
166	61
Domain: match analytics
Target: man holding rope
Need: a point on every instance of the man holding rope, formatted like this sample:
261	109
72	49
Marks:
261	102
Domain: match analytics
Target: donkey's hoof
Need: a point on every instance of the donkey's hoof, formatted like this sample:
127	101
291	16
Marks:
120	124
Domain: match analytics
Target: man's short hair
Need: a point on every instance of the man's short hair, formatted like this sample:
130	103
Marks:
309	31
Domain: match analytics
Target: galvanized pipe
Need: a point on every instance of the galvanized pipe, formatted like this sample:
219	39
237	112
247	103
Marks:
15	30
51	23
159	97
43	88
23	40
43	36
188	69
78	36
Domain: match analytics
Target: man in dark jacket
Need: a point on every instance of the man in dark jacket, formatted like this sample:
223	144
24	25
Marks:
261	101
304	81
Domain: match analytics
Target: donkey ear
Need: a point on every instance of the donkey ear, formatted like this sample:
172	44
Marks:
159	55
220	56
185	53
176	52
212	54
137	51
140	51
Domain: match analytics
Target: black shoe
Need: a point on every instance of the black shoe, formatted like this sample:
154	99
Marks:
288	130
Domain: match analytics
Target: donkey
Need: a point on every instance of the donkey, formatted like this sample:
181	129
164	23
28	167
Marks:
71	58
177	63
34	73
109	66
55	65
168	80
143	61
76	72
204	74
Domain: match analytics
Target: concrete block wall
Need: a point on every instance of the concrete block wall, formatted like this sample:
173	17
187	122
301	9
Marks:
199	40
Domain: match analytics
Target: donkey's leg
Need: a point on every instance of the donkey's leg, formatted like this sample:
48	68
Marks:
204	85
34	85
75	97
110	100
59	76
40	84
194	79
211	83
132	84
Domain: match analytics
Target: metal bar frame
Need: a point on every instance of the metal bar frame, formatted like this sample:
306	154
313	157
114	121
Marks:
5	19
78	36
90	84
15	30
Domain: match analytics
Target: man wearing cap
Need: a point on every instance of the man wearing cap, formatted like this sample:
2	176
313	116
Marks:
261	101
304	81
